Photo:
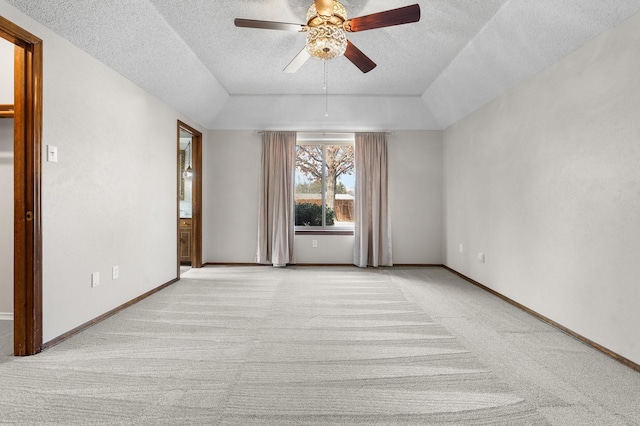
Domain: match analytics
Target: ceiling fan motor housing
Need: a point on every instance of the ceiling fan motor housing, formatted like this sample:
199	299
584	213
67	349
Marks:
315	19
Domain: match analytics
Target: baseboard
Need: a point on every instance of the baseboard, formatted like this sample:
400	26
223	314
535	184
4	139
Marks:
399	265
231	264
395	265
418	265
104	316
323	264
6	316
269	265
597	346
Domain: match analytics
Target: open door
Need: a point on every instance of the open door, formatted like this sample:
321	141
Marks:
189	196
27	115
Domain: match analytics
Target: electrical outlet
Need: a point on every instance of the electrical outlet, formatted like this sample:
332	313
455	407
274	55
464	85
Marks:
115	273
461	248
314	243
481	257
95	279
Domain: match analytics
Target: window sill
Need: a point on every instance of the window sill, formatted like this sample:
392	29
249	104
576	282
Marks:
324	232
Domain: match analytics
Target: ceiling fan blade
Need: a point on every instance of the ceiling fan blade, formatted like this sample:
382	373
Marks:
358	58
298	61
268	25
403	15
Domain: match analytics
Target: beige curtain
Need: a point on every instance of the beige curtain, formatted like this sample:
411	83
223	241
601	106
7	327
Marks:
372	246
276	204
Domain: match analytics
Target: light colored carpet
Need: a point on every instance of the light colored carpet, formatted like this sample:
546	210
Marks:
6	338
319	346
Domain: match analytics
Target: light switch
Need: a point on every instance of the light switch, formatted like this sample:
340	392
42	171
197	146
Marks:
95	279
52	154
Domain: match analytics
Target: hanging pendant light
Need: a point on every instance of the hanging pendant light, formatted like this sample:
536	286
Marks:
188	172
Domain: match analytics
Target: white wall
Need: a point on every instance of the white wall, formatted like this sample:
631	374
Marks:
6	72
231	163
112	197
6	218
416	193
296	112
232	168
545	181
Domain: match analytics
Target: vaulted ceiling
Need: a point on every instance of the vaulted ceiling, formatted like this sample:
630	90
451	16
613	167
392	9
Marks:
459	56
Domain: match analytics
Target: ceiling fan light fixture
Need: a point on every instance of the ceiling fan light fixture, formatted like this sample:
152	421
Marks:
326	41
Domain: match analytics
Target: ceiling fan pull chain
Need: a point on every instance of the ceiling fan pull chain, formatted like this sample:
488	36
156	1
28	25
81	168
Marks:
326	75
326	88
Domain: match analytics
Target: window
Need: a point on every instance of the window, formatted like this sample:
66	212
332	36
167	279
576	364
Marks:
325	182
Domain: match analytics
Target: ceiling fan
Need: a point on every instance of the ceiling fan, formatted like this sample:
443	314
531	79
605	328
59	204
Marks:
326	26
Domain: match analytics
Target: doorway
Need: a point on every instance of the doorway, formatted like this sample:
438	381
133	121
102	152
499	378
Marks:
27	229
189	197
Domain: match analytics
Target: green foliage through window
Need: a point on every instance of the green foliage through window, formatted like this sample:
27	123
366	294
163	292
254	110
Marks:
309	214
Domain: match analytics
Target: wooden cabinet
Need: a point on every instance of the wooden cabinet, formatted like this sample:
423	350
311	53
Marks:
185	241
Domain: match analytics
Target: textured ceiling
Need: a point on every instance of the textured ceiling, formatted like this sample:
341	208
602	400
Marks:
460	55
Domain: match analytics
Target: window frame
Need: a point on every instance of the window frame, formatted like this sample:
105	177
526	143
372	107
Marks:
324	140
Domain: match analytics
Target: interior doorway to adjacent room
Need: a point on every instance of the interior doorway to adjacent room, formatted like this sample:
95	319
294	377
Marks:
27	230
189	197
